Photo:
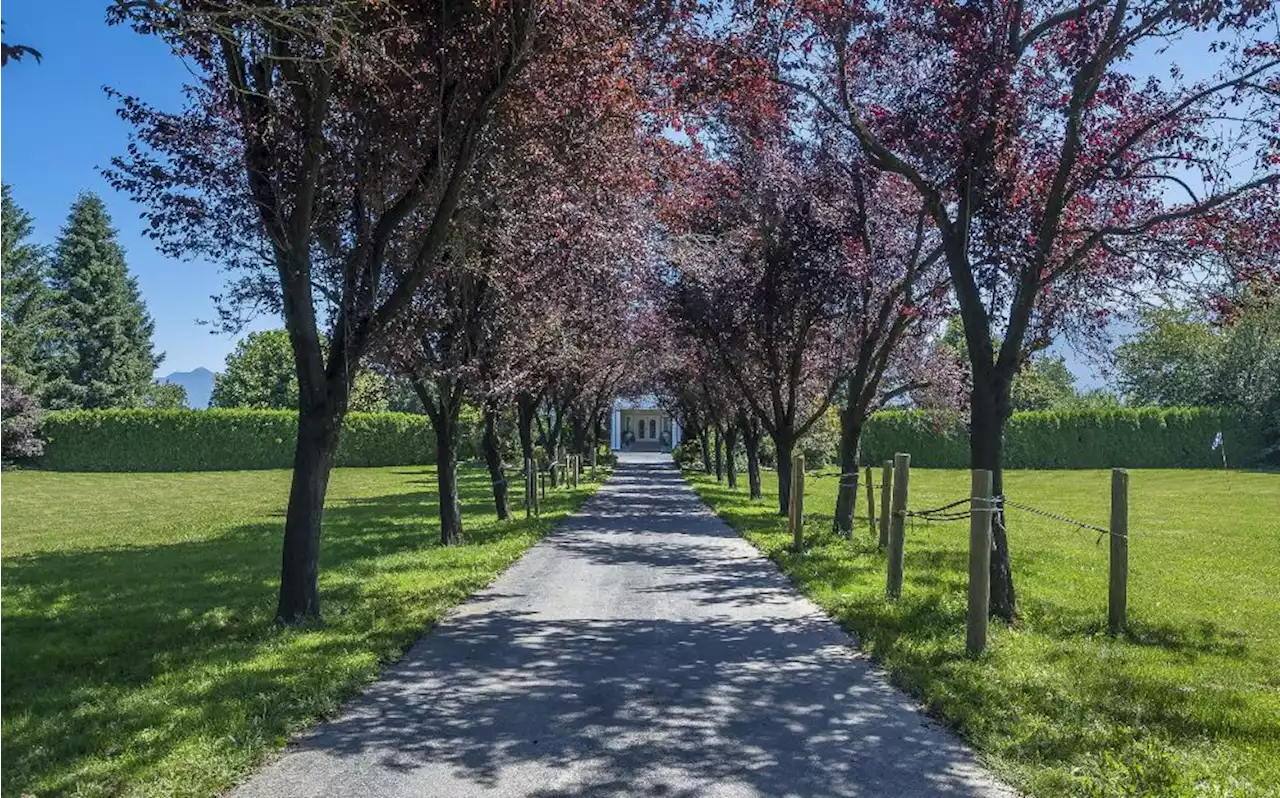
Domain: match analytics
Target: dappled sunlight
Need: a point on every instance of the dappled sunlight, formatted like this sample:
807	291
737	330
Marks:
160	664
1192	684
632	651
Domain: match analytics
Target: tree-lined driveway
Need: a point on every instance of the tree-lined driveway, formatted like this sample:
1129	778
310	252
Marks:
642	648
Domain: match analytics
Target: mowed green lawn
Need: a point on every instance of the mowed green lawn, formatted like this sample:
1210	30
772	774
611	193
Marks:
1186	704
139	652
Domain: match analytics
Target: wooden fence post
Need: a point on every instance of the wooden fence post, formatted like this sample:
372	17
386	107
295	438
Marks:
980	511
886	489
797	501
577	469
897	524
1118	589
871	502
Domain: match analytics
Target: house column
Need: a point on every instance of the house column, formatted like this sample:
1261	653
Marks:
675	433
615	430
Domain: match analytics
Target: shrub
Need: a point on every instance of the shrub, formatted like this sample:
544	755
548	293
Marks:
19	425
821	444
688	455
221	440
1143	437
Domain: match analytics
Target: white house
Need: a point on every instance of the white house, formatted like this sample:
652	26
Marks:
638	424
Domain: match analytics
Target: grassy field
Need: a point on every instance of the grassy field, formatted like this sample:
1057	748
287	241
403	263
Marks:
1186	704
140	657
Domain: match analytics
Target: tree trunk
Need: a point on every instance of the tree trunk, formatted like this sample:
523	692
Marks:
447	476
730	460
751	441
493	457
785	446
526	411
706	451
989	410
317	443
578	426
850	440
719	456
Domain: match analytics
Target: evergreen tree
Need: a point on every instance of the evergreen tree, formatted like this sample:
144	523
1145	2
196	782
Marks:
24	299
104	355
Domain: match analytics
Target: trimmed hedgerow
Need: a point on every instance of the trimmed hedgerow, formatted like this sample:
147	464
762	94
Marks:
221	440
1145	437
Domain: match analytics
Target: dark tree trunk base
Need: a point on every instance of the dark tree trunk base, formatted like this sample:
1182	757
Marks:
493	459
785	448
847	496
300	558
986	443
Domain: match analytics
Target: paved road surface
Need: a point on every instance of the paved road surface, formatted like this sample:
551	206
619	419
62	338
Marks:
641	649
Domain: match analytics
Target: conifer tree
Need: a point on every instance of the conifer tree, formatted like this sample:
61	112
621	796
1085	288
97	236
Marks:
103	354
25	305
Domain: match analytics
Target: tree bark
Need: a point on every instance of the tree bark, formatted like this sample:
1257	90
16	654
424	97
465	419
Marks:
719	456
493	457
317	443
447	476
706	450
730	461
578	427
989	410
526	411
751	442
786	447
850	441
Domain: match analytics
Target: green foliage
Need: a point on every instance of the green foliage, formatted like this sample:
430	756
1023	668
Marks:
165	396
821	444
1170	361
219	440
141	657
261	374
1184	705
24	299
1144	437
102	356
1045	383
688	454
1180	357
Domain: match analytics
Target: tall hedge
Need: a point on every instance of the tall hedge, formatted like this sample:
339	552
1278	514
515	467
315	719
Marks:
1146	437
221	440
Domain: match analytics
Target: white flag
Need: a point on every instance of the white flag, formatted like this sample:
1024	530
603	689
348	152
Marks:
1217	440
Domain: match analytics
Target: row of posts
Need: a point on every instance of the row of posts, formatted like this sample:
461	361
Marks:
566	470
894	485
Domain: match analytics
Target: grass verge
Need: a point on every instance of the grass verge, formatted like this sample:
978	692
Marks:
1187	703
140	657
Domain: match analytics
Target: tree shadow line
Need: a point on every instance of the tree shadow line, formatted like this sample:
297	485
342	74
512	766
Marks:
85	629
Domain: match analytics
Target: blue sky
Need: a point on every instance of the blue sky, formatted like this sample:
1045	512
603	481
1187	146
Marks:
59	128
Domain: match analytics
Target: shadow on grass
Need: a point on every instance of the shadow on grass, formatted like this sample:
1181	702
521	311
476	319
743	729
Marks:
1055	696
114	658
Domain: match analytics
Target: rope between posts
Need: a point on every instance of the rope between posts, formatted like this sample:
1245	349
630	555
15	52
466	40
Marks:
1075	522
996	506
841	477
934	512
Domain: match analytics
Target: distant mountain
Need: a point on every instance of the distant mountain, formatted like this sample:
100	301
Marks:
198	383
